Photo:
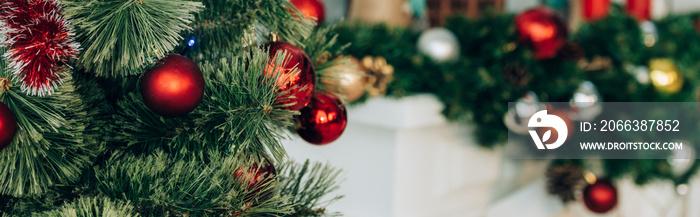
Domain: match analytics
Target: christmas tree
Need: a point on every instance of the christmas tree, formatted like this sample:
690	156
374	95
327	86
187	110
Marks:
160	108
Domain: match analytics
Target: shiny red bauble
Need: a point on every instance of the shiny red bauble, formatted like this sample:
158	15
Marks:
311	9
640	9
595	9
253	175
323	120
174	87
297	77
601	196
543	29
8	126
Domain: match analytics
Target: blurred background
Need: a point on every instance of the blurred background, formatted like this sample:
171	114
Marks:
414	147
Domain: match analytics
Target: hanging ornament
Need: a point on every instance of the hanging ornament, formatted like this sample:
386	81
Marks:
542	29
311	9
323	120
8	126
379	75
586	102
517	117
649	33
665	76
297	77
563	179
253	175
174	87
39	42
350	78
640	73
595	9
682	159
600	196
440	44
640	9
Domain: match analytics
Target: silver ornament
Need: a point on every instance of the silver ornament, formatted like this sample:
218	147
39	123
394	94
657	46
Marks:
649	33
517	116
682	159
640	73
440	44
586	102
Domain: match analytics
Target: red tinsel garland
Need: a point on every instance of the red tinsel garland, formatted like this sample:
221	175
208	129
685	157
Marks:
39	41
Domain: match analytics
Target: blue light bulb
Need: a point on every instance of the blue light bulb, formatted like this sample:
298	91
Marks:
190	42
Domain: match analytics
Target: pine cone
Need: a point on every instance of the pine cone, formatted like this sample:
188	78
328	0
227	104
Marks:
562	180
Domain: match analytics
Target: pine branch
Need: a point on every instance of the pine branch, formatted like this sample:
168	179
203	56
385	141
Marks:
50	146
160	185
231	25
308	185
92	207
122	37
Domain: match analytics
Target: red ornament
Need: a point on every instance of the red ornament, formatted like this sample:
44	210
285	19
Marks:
595	9
312	9
39	42
601	196
543	29
8	126
296	75
255	174
174	87
640	9
323	120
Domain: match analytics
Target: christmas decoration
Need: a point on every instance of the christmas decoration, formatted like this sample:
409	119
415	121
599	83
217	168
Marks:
649	33
323	120
682	159
542	29
595	9
350	78
586	102
40	42
174	87
640	9
379	75
517	117
311	9
297	77
440	44
8	126
600	196
563	180
255	174
598	63
665	76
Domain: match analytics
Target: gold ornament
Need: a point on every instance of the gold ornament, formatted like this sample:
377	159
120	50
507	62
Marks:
379	75
665	76
346	79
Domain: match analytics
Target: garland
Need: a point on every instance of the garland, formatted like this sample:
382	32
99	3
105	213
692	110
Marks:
494	69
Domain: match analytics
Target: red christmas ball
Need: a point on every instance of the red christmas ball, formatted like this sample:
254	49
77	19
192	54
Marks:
311	9
595	9
296	75
253	175
174	87
8	126
543	29
640	9
601	196
323	120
